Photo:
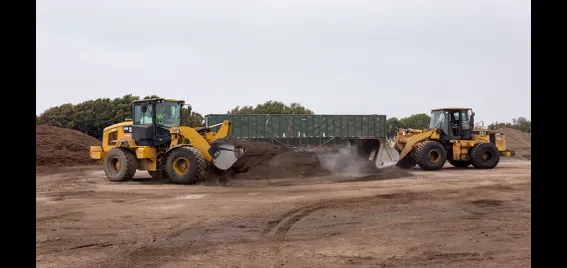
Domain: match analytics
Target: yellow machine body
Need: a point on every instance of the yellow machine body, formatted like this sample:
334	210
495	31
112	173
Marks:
120	135
406	139
451	137
155	141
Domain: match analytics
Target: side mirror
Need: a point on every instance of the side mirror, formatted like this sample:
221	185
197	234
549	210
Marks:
189	108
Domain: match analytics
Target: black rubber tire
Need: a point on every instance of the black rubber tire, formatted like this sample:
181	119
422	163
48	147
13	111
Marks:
459	163
477	152
422	153
197	166
407	163
160	173
128	164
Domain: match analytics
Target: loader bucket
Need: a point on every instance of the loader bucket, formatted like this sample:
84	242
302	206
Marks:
377	150
384	156
224	154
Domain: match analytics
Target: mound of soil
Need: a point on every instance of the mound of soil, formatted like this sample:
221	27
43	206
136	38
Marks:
264	160
62	147
256	154
518	141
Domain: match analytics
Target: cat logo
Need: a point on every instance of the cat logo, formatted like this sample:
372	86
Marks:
127	129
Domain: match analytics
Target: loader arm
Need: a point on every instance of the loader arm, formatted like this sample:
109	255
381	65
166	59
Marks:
188	135
224	130
213	146
407	143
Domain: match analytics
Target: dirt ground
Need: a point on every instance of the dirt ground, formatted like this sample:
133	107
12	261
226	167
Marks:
447	218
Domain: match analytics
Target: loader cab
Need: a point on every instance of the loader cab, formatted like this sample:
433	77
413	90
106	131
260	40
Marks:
453	123
152	119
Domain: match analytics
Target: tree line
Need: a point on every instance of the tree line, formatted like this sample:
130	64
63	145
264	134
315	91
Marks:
272	107
421	121
520	123
92	116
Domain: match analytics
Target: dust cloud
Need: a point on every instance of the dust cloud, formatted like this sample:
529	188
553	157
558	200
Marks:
346	162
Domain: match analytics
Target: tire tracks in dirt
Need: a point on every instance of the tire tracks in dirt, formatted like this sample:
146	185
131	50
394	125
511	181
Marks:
287	220
193	238
277	230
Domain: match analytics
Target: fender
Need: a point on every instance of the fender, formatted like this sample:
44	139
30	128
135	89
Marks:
124	143
175	147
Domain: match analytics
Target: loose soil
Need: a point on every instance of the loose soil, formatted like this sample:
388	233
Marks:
264	160
518	141
447	218
65	147
62	147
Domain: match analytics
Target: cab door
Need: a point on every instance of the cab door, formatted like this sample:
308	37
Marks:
466	128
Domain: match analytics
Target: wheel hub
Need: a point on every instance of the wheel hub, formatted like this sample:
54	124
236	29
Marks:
486	156
434	156
115	164
181	166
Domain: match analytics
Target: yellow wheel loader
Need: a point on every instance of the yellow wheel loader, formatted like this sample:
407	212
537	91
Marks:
154	141
452	138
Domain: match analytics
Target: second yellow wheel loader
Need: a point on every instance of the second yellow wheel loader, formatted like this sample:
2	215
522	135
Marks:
451	137
154	141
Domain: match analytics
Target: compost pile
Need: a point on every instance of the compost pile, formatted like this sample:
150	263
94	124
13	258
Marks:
62	147
264	160
518	141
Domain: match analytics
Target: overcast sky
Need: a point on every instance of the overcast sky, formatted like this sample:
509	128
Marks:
392	57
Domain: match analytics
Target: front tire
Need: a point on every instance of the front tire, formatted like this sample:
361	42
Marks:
430	155
406	163
120	164
484	156
186	165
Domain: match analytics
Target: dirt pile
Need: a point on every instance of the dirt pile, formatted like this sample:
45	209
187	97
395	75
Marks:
62	147
264	160
518	141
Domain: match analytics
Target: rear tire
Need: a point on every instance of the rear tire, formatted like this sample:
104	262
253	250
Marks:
430	155
120	164
186	165
406	163
459	163
484	156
